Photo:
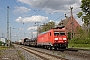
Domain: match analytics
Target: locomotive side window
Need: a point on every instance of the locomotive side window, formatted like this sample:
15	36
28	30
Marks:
50	33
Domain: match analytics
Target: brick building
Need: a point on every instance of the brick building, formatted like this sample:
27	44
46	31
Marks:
71	26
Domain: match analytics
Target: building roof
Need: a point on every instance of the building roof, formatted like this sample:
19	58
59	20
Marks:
64	22
70	24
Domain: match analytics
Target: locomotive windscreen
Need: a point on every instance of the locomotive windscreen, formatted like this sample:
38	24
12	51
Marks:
56	33
59	33
62	33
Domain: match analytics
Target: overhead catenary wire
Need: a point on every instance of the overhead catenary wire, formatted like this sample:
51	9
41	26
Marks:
40	10
66	13
42	7
30	7
2	10
22	10
24	3
18	6
10	12
38	6
36	11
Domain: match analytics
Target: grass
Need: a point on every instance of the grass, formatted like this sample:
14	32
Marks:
63	55
0	53
12	46
79	43
20	55
3	47
82	46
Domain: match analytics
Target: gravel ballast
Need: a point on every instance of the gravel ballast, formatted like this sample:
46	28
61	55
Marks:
16	54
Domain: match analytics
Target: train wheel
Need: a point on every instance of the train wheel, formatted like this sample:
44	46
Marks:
55	48
49	47
45	47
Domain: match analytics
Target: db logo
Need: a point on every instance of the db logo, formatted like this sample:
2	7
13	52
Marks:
60	38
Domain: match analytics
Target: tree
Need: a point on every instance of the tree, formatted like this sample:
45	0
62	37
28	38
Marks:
47	26
85	14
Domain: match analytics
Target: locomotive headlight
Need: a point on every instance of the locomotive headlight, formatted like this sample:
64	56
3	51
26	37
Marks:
55	38
64	38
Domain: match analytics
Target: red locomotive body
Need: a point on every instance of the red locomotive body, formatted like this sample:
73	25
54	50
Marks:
53	38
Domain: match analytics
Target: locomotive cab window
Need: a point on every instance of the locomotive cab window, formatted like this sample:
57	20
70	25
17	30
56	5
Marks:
56	33
62	33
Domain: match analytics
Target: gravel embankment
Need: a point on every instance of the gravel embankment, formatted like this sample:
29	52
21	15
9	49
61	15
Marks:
16	54
9	54
27	55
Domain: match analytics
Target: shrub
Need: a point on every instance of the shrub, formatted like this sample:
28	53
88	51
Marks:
1	43
80	41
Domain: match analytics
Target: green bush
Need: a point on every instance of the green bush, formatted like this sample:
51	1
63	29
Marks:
80	41
1	43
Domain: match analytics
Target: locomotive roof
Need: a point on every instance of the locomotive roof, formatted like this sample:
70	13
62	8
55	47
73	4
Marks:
59	27
44	32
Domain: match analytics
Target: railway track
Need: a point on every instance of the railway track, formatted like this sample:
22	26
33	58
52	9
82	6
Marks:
42	55
68	54
80	53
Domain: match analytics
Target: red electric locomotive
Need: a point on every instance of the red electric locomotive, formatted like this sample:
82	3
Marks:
55	38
